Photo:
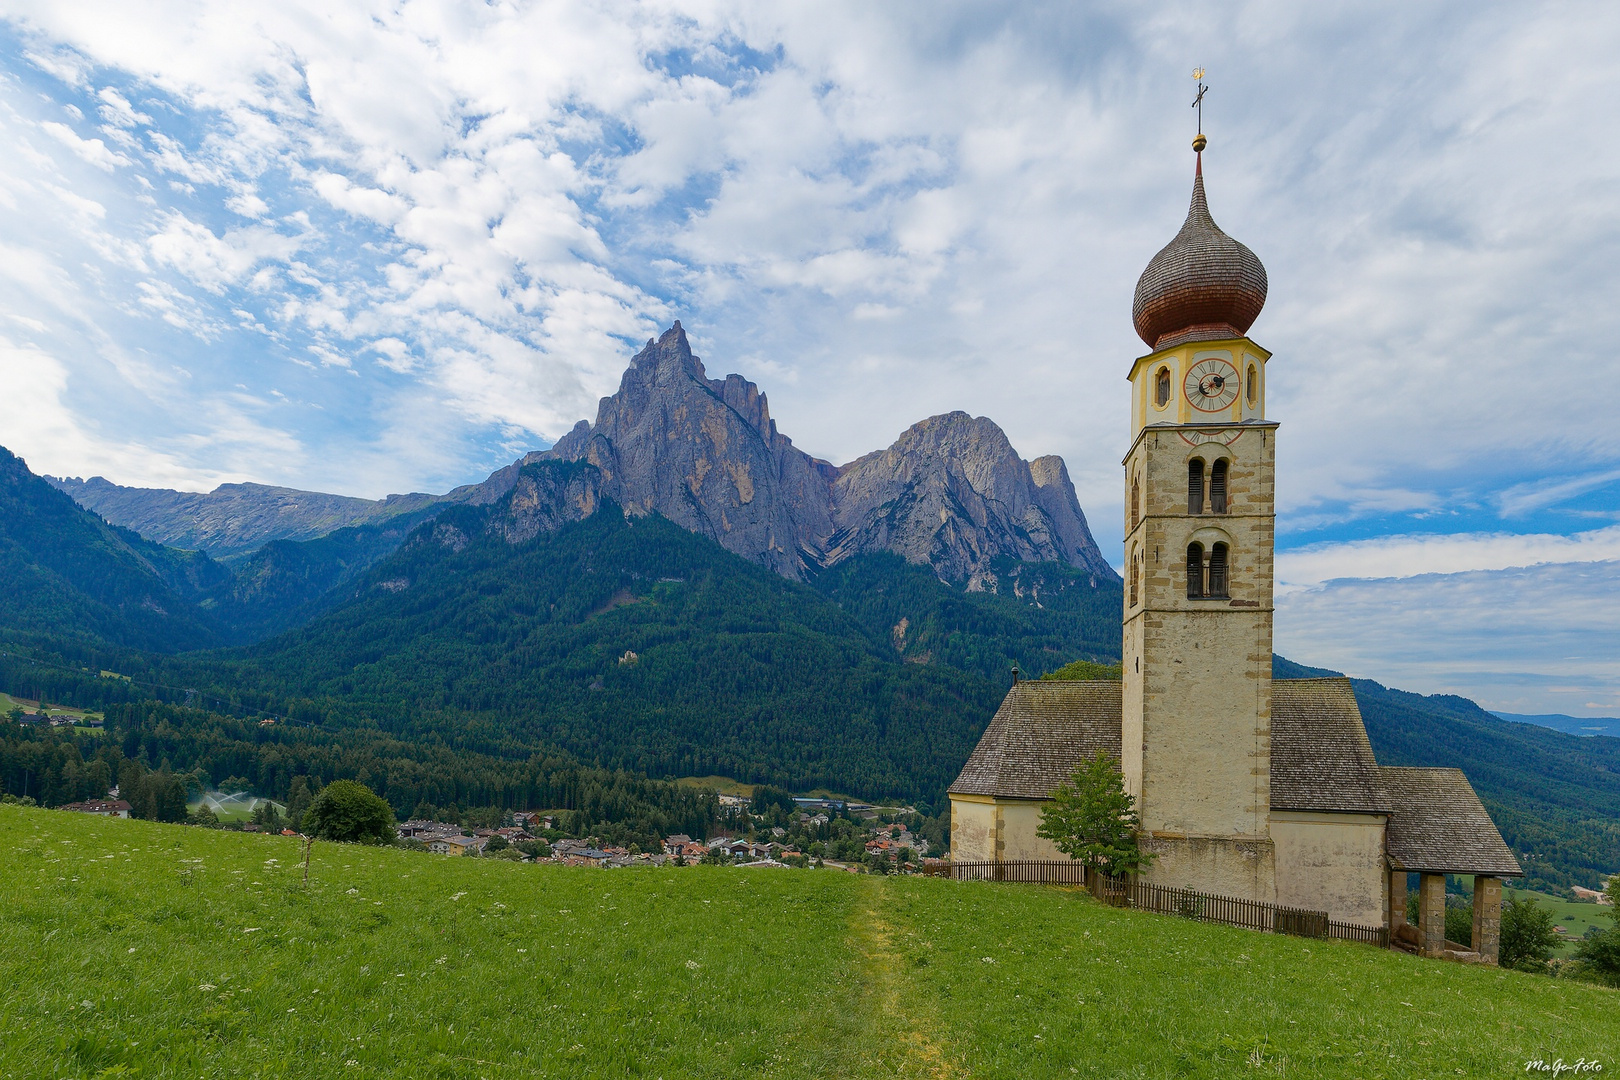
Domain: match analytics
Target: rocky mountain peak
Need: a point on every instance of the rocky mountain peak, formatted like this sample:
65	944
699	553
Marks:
954	493
705	453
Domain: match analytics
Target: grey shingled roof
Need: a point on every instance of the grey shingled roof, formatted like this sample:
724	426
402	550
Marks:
1041	732
1438	825
1320	756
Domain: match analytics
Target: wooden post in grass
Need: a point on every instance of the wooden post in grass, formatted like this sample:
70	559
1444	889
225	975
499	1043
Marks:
309	842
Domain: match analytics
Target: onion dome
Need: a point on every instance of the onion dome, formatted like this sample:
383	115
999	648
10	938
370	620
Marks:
1203	285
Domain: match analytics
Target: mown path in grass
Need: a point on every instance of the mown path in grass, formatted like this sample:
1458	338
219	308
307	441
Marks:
129	948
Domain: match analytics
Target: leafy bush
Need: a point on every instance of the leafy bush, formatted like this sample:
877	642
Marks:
1460	923
349	812
1528	938
1599	953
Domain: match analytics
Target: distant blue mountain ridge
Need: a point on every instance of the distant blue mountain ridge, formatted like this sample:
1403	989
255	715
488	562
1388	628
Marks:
1570	725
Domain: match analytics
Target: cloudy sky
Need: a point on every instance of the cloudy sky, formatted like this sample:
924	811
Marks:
378	247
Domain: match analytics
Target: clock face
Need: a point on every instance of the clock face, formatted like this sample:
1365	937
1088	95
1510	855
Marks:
1211	385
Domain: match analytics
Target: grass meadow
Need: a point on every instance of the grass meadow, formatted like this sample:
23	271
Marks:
1576	917
136	949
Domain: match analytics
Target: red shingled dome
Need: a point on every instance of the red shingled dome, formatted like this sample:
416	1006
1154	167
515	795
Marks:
1203	285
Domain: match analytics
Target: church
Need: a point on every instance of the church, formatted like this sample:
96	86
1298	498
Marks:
1246	786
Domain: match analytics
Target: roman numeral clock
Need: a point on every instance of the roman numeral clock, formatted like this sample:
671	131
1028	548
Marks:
1211	385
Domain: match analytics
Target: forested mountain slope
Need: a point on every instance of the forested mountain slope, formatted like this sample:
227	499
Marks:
628	642
64	571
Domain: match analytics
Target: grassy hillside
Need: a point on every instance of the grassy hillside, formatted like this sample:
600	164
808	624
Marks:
159	950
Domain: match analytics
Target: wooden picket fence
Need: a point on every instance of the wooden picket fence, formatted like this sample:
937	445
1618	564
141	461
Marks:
1038	871
1164	899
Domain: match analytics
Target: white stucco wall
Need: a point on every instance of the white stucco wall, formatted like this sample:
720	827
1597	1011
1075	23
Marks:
984	830
1019	820
973	829
1332	862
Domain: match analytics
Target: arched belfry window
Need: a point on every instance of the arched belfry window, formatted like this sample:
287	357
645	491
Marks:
1217	487
1161	387
1195	571
1217	572
1195	486
1254	384
1136	501
1136	576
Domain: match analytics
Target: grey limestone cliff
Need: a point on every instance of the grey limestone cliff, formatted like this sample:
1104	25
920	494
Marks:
951	492
706	454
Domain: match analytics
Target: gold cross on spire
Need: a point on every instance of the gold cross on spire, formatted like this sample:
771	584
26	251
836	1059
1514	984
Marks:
1198	103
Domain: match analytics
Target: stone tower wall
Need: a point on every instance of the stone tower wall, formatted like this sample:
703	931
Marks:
1197	694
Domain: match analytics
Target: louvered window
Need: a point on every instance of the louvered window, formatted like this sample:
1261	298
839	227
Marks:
1136	502
1217	487
1195	571
1136	575
1254	384
1195	486
1217	572
1161	387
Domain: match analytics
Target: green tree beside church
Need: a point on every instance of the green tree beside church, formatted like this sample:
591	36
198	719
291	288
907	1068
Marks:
1092	818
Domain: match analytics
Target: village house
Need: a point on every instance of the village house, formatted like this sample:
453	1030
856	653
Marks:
457	844
586	856
676	844
103	807
1246	786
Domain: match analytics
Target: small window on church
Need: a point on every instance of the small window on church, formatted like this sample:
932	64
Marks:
1217	572
1254	385
1195	486
1195	571
1161	387
1217	487
1136	575
1136	501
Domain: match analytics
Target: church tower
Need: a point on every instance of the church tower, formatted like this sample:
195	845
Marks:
1199	531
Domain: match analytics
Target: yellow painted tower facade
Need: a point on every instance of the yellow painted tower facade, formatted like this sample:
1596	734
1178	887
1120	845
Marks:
1199	535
